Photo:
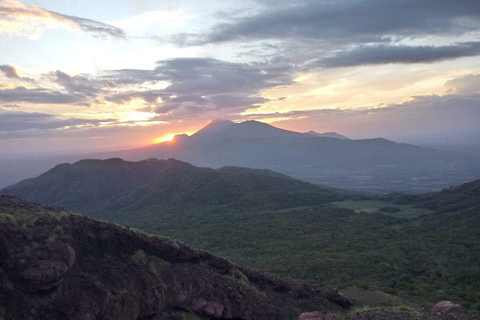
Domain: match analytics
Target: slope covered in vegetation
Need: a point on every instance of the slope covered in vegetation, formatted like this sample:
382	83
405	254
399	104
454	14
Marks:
429	253
105	185
58	265
421	246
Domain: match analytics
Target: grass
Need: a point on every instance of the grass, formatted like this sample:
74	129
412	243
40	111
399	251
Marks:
382	310
373	297
294	209
370	206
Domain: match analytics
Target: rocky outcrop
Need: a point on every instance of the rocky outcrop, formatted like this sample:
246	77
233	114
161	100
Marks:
58	265
448	307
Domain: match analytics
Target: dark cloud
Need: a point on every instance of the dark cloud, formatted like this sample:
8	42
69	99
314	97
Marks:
39	95
9	71
12	73
79	84
209	84
352	20
326	31
20	121
149	96
133	76
96	28
205	76
235	101
205	85
384	54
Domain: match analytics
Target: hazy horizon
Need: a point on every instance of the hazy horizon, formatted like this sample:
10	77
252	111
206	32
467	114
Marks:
84	75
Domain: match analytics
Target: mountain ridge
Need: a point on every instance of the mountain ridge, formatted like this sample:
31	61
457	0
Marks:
117	184
368	165
373	165
327	135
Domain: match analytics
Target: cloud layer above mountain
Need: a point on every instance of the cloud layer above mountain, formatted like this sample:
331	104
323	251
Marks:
365	68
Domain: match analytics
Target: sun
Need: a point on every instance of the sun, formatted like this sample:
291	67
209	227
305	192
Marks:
167	138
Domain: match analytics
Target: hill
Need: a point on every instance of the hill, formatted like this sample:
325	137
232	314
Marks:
376	165
263	219
58	265
369	165
114	184
453	199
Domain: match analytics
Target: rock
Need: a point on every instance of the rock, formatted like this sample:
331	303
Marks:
447	307
71	255
218	309
45	275
315	315
210	309
198	304
339	298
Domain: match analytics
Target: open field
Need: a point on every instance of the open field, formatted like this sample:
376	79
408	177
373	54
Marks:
369	206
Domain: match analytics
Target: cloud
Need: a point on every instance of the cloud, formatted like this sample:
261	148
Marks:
202	85
149	96
189	87
11	72
133	76
20	121
80	84
351	21
467	84
349	32
450	118
384	54
20	19
39	95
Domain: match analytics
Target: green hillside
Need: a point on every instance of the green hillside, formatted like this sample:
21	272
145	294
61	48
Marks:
425	254
62	266
423	247
114	184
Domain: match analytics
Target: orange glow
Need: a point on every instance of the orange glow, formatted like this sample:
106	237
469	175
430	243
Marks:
27	20
168	137
171	136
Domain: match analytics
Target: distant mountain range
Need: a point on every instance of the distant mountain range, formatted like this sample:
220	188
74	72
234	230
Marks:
331	159
115	184
327	135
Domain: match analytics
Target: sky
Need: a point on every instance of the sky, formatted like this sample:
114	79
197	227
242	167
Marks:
110	74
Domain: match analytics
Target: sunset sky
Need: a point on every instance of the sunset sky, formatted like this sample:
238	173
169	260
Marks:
84	74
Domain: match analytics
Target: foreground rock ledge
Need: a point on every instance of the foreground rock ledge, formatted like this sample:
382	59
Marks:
58	265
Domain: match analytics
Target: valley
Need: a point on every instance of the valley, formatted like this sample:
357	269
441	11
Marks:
240	160
423	248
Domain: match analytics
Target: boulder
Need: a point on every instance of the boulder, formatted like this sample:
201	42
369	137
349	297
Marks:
447	307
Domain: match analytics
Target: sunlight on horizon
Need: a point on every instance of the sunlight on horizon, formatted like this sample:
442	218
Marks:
167	138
